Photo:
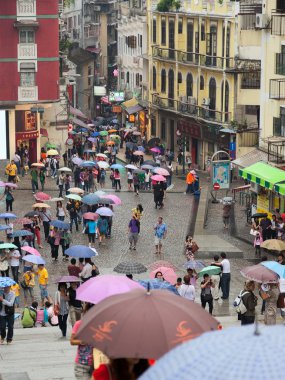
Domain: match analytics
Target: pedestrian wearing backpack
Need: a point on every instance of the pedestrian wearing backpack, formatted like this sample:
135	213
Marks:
249	300
206	293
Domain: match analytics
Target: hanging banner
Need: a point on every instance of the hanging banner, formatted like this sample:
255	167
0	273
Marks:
27	135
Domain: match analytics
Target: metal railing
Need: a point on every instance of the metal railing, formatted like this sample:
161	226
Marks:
277	89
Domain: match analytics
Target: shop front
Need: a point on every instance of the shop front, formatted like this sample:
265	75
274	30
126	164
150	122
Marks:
27	132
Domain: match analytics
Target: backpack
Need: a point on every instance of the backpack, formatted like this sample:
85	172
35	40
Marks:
238	304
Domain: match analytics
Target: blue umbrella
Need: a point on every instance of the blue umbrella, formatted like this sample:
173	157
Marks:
7	215
154	283
6	281
59	224
104	211
95	134
88	164
149	167
275	267
243	353
117	166
4	227
90	199
194	264
89	151
141	148
34	259
81	251
20	233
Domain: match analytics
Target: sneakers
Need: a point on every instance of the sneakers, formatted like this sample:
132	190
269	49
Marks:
9	342
2	341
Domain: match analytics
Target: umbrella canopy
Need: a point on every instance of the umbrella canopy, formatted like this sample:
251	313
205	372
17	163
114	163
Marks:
106	201
59	224
210	270
131	145
114	198
64	169
6	281
8	246
158	178
238	349
104	211
90	199
88	164
98	288
116	166
56	199
102	155
150	162
110	143
75	197
103	133
113	130
99	193
7	215
68	279
194	264
161	263
4	227
147	167
90	216
103	164
77	161
76	190
141	148
40	205
139	171
141	324
273	245
161	171
20	233
130	166
31	214
275	267
38	260
136	133
31	250
52	146
259	273
138	153
23	221
155	150
167	273
158	285
95	134
38	165
81	251
12	185
130	267
259	215
52	152
40	196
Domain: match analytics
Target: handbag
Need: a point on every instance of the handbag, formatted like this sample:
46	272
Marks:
194	247
252	232
23	284
56	309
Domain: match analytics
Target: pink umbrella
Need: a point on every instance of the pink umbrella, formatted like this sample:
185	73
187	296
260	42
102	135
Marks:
12	185
138	153
23	221
161	171
40	196
90	216
158	178
92	139
155	150
117	200
168	274
98	288
31	250
2	184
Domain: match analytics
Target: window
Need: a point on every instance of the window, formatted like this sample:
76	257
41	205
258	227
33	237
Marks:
27	37
179	78
203	30
163	31
140	80
153	127
131	42
202	83
251	110
250	80
189	40
277	126
89	75
225	105
212	93
128	77
153	78
27	74
154	30
122	75
140	42
137	80
180	25
163	129
163	80
189	85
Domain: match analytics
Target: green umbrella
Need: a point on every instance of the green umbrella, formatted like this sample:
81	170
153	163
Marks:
7	246
210	270
74	197
51	146
103	133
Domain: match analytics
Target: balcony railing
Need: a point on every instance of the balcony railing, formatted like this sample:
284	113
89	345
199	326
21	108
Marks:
250	7
199	112
277	89
28	94
192	58
278	24
27	51
26	8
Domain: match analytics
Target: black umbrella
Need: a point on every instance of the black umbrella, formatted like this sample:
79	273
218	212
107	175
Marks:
150	162
31	214
153	142
129	267
259	215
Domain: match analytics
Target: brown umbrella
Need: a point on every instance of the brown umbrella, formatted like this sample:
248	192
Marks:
259	273
161	263
141	324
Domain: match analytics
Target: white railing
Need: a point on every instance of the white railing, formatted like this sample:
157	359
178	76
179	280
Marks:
27	94
27	51
26	8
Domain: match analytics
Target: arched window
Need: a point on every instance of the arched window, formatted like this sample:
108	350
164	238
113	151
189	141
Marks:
189	85
225	105
153	78
202	83
163	80
170	88
212	93
128	77
179	77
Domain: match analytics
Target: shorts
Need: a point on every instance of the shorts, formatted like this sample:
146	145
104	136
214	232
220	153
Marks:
157	240
44	291
130	181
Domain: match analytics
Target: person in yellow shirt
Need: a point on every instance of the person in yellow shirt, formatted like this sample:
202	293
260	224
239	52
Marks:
16	289
28	285
43	283
11	171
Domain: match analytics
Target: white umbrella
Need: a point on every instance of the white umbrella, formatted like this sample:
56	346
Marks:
101	155
130	166
103	164
64	169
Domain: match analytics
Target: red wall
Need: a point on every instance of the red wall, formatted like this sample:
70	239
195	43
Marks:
8	7
47	80
47	7
47	38
9	38
9	81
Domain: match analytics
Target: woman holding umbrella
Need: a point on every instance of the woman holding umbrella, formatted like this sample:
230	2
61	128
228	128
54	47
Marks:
9	198
61	307
117	178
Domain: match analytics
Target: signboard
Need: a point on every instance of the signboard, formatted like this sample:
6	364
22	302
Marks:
27	135
216	186
117	109
115	96
221	174
132	118
99	90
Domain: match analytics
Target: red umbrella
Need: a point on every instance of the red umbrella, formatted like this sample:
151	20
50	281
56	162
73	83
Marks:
40	196
141	324
90	216
259	273
161	263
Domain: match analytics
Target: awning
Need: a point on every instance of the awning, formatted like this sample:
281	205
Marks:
265	175
250	158
134	109
240	188
44	132
130	103
81	123
77	112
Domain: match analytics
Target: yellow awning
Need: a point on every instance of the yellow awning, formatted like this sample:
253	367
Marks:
130	103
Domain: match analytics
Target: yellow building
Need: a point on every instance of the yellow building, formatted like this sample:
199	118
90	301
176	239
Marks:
192	85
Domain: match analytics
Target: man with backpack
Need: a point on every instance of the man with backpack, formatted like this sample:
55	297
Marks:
245	304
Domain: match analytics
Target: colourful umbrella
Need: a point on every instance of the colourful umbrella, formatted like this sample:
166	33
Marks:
273	245
158	178
8	246
259	273
81	251
141	324
60	224
130	166
64	169
104	211
75	197
6	281
275	267
4	227
102	155
161	263
147	167
210	270
155	150
40	205
110	143
117	166
130	267
103	133
38	165
52	152
156	284
21	233
31	250
11	185
99	193
68	279
76	190
38	260
91	199
7	215
40	196
167	273
90	216
56	199
23	221
194	264
114	198
77	161
113	131
103	164
98	288
161	171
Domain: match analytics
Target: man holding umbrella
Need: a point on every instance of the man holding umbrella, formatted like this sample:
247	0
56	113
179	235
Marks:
7	300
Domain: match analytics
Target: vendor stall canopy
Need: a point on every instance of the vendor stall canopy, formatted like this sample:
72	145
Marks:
266	176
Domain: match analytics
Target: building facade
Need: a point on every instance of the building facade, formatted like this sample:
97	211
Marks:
29	41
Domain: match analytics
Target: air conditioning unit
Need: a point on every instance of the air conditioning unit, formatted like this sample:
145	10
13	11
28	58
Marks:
191	100
260	21
97	8
206	101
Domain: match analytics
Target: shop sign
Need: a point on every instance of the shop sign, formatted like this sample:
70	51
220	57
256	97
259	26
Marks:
263	202
142	118
27	135
132	118
117	109
189	129
116	96
221	174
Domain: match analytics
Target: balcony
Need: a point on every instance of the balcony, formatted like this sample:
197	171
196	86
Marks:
250	7
28	94
27	51
278	23
191	110
26	8
277	89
